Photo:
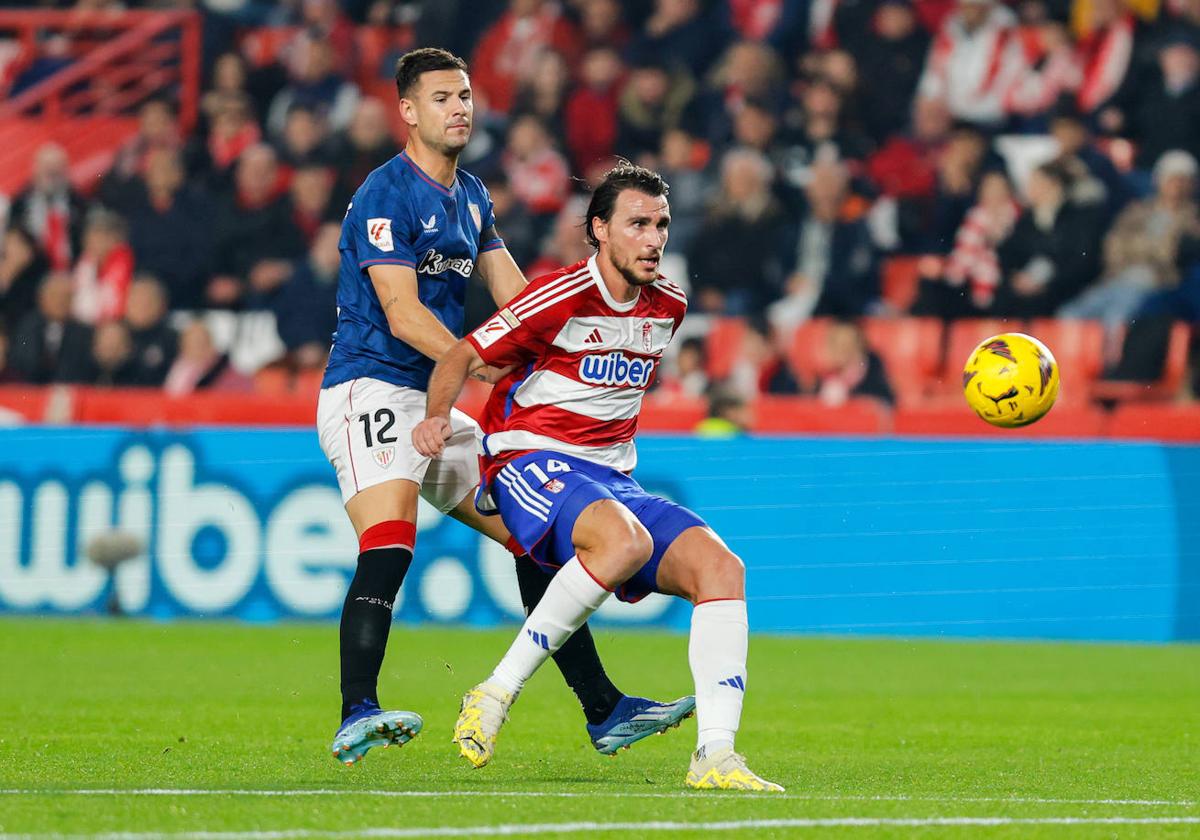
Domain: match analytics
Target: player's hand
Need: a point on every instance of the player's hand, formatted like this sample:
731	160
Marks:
430	435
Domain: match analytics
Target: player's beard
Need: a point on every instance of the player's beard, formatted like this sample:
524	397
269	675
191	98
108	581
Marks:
629	271
443	145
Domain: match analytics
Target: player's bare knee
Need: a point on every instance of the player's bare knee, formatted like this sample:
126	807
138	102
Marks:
723	576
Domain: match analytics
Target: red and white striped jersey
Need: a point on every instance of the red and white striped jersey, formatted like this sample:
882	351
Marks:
585	361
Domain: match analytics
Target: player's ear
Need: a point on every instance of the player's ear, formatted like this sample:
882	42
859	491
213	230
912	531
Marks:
599	229
408	112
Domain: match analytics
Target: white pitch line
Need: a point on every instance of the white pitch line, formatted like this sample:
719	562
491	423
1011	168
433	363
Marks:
583	827
501	794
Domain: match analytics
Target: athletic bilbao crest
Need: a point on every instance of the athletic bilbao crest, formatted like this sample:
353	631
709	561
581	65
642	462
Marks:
647	336
384	457
476	216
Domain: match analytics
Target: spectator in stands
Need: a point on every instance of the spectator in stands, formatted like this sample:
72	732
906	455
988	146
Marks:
104	270
1165	114
761	366
153	342
201	366
49	345
171	229
50	209
310	192
315	84
973	61
363	147
822	134
964	284
112	356
234	130
683	30
961	163
682	163
729	415
543	93
22	267
1094	182
305	306
1106	53
303	141
686	374
834	263
157	131
748	71
229	77
539	175
734	261
653	101
602	24
905	170
1141	251
326	21
1052	252
851	368
565	244
890	59
254	227
512	44
590	130
520	235
1050	69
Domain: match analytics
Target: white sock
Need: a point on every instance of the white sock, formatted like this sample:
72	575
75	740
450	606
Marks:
570	599
717	654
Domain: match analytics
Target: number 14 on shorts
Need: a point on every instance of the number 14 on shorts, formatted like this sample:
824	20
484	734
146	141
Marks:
543	477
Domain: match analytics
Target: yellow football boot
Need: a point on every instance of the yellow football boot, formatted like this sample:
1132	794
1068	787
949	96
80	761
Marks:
484	710
725	770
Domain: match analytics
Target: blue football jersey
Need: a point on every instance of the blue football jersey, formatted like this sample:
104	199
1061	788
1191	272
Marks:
401	216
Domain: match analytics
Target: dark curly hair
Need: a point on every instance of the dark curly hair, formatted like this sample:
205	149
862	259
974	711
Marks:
623	176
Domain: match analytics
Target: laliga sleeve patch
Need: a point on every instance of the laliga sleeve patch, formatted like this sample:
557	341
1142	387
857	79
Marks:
379	233
495	328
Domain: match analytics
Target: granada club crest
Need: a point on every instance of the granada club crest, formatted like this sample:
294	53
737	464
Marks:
384	457
647	331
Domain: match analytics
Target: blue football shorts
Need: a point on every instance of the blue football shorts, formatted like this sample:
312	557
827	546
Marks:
540	495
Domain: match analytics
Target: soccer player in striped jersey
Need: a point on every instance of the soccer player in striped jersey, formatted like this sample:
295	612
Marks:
416	231
586	341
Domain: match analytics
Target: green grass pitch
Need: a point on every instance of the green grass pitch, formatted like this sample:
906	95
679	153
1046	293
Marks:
177	725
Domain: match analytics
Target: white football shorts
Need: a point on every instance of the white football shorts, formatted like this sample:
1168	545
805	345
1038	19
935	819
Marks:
365	427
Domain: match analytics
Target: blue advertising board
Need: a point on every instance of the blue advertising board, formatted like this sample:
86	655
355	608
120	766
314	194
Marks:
907	537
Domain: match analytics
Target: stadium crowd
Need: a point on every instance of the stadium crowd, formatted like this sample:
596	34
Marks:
1031	160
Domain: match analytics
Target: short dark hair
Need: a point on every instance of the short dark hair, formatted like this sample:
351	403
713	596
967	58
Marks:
623	176
412	64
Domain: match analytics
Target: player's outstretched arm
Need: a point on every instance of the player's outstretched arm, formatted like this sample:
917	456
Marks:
504	279
408	318
430	435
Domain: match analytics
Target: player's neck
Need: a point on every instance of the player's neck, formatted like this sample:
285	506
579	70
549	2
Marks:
436	165
621	289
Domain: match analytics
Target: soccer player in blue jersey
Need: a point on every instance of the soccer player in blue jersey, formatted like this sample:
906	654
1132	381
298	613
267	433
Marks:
415	232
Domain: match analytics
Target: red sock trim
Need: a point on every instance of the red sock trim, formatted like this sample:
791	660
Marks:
514	547
715	600
599	582
393	534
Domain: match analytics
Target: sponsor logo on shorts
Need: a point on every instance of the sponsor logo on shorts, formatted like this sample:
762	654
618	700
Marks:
615	369
554	486
379	233
384	457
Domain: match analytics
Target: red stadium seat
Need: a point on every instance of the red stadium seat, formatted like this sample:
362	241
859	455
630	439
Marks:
1157	421
28	403
951	418
900	281
1167	386
911	349
778	414
1078	347
963	337
273	380
806	350
723	346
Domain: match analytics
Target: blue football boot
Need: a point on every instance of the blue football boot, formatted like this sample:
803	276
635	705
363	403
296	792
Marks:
369	726
634	718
